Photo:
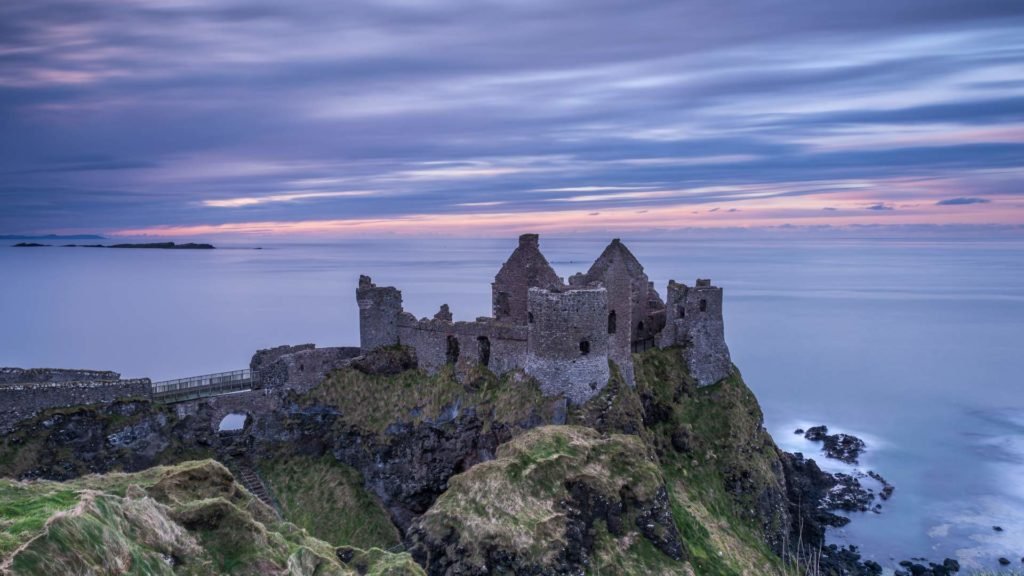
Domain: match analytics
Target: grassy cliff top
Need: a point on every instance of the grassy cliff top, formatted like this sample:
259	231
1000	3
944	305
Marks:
551	491
372	403
190	518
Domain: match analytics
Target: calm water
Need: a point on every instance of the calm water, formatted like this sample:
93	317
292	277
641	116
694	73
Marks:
914	346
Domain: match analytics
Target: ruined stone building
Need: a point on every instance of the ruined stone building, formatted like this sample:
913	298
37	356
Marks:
562	334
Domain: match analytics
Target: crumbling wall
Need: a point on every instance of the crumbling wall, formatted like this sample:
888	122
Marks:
499	346
299	368
525	268
379	309
693	321
50	375
634	307
22	401
262	359
567	350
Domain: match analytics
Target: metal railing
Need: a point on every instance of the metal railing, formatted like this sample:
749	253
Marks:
201	386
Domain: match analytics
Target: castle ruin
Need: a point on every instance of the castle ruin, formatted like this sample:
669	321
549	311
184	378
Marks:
562	334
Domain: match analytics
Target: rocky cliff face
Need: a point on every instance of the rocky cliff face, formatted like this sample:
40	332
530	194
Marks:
662	477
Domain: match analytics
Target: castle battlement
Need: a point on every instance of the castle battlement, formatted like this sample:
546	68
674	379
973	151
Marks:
564	335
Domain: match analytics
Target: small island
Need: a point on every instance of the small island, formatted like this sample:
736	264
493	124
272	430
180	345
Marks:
150	245
166	246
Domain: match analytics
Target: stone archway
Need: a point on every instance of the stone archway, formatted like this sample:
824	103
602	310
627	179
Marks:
234	422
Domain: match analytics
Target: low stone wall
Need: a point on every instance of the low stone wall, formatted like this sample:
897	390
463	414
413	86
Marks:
303	369
264	358
27	375
22	401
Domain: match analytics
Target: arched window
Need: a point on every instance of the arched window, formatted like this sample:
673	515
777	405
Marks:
640	326
611	322
703	305
529	317
452	354
584	347
483	344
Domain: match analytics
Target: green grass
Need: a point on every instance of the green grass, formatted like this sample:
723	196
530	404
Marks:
24	510
132	523
327	498
373	402
726	466
515	503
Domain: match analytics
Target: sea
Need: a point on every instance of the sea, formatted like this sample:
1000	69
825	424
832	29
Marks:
915	344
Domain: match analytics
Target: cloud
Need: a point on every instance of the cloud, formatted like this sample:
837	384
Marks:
134	115
962	201
881	206
289	197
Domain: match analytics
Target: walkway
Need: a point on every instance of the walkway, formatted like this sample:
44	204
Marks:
194	387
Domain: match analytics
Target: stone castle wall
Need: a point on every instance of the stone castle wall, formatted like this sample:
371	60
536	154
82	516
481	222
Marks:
693	321
526	268
568	341
379	309
25	400
27	375
498	346
300	369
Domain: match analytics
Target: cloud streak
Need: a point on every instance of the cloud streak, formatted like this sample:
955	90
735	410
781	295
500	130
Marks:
233	117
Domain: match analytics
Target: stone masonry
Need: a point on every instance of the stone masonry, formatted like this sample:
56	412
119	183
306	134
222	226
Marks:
562	335
693	321
22	400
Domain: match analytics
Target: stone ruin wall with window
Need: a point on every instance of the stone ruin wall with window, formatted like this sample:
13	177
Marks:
562	335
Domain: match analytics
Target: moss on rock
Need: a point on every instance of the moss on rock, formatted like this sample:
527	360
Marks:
539	506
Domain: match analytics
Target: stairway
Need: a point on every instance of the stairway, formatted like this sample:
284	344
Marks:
247	476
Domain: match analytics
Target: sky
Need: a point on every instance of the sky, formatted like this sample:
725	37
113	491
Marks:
323	118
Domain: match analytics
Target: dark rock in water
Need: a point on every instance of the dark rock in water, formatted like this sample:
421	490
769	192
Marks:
997	528
887	489
798	431
915	567
848	495
844	447
1004	561
816	433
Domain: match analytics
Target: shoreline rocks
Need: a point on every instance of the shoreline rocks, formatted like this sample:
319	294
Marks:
843	447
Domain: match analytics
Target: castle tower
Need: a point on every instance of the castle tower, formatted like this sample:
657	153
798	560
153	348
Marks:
693	321
379	309
632	303
567	341
526	268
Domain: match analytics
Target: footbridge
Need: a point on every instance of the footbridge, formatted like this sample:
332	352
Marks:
196	387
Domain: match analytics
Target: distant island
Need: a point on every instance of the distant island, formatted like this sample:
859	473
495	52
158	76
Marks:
51	237
150	245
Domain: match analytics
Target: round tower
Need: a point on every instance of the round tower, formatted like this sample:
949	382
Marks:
567	341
